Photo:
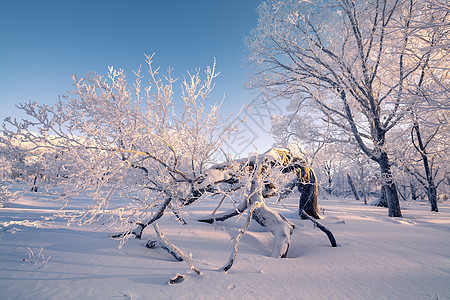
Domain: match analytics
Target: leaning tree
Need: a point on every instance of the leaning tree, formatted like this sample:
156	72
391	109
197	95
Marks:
258	177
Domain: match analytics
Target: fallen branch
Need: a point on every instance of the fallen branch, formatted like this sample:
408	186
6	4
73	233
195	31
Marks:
141	226
173	250
238	237
155	244
226	215
321	227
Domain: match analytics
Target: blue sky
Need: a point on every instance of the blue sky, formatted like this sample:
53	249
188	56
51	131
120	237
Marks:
44	42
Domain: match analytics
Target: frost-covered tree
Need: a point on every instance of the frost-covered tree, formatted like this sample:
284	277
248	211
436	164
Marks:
139	153
138	141
350	61
331	153
251	180
260	176
6	170
6	196
429	92
428	98
20	162
424	155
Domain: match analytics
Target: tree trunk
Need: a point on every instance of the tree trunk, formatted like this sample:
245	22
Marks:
363	184
309	192
383	200
412	186
432	196
352	186
390	189
306	182
34	188
421	148
365	194
327	169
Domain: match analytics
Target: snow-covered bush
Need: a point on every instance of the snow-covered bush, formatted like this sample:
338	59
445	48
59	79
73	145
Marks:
6	196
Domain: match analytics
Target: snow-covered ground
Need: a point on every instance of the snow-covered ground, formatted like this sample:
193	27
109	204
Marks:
377	258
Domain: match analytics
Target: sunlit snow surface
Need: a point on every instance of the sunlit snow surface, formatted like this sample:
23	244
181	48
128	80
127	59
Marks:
378	257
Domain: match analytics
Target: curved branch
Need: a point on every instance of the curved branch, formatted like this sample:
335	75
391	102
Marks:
321	227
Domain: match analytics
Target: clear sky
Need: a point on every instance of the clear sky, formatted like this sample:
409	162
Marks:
42	43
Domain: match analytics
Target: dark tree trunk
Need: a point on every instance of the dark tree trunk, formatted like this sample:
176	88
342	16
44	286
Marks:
365	196
352	186
421	148
309	192
432	196
34	188
390	189
383	200
363	185
412	186
327	169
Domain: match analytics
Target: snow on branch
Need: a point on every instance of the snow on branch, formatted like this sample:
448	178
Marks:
173	250
110	139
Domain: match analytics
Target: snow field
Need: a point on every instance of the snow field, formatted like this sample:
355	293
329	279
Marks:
378	257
